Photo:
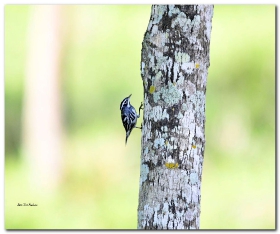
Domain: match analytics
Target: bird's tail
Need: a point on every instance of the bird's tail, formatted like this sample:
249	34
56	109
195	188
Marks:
127	135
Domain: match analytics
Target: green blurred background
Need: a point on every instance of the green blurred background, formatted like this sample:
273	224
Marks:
100	65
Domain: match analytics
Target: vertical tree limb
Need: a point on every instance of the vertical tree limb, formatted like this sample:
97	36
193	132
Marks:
174	69
42	117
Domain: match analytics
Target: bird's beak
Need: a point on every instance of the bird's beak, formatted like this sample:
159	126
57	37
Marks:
129	95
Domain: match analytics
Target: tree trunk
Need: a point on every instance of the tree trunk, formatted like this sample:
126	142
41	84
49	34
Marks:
42	117
174	69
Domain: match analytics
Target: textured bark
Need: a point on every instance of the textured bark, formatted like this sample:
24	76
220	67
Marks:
174	69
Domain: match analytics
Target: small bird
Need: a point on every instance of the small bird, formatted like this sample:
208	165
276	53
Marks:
129	116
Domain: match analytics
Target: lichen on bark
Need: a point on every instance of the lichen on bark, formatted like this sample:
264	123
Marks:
174	69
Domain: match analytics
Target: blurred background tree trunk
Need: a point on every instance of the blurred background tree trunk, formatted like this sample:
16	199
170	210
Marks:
42	117
174	69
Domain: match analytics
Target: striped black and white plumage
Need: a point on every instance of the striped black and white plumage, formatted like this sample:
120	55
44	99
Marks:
129	116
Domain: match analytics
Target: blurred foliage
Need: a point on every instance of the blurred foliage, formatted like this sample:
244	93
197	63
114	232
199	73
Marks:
101	66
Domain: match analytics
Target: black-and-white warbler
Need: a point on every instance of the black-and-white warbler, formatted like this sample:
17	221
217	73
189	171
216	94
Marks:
129	116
